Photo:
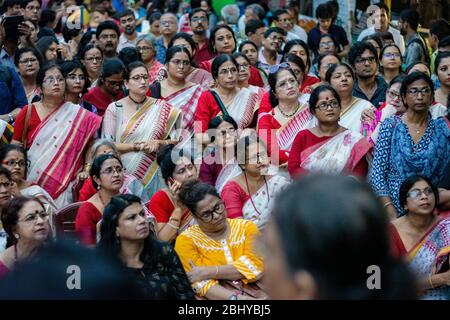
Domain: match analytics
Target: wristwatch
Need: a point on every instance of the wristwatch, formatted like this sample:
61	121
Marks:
233	297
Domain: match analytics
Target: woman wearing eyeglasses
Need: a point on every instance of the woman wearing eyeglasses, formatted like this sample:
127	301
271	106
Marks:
109	86
107	177
28	228
286	118
50	132
218	254
423	237
327	44
91	56
140	126
413	143
194	75
28	63
244	74
328	148
146	45
14	158
390	62
251	194
178	92
76	84
225	98
223	41
341	77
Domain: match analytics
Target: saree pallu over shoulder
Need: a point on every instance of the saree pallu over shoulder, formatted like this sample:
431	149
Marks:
156	120
430	254
287	133
243	107
63	135
338	154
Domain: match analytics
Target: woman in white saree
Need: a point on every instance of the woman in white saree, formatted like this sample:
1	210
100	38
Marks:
140	126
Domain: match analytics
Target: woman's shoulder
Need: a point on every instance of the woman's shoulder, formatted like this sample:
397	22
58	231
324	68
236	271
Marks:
89	206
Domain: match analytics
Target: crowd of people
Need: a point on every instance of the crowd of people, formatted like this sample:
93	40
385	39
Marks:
198	144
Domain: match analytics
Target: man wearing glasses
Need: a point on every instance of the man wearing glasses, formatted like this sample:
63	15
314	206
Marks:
368	85
199	22
273	41
168	28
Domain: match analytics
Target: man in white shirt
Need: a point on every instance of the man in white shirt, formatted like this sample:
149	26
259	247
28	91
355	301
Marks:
127	22
268	56
252	12
379	22
283	20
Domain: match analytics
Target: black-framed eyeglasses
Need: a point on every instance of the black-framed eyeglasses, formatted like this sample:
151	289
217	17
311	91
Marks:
393	94
207	216
362	60
13	163
324	105
415	91
110	171
28	61
199	19
91	59
417	193
114	83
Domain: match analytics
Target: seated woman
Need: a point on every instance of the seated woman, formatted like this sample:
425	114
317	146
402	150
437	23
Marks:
146	44
300	49
125	234
252	194
324	62
109	86
328	147
176	90
220	165
411	144
171	216
326	218
130	183
27	224
327	44
194	74
217	249
244	74
287	118
140	126
250	50
225	98
6	193
14	158
422	237
341	77
50	132
107	177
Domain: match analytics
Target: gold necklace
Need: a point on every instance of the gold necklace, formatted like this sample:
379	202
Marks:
288	115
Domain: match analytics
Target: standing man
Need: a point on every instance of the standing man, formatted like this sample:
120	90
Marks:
368	85
416	49
254	30
379	19
168	27
199	22
439	29
107	34
273	41
127	22
283	20
325	15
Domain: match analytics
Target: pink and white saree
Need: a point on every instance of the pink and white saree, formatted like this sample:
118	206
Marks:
337	155
56	151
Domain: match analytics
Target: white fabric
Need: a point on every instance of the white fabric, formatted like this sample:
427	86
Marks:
352	118
229	171
297	32
275	185
398	38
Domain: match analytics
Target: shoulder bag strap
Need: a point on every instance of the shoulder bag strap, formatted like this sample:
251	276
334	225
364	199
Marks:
26	125
119	119
219	103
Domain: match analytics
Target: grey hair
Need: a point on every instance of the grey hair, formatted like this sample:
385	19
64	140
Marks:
257	10
147	37
104	142
230	13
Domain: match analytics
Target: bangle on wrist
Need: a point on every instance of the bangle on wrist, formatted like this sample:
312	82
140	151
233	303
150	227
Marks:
174	227
431	282
217	271
174	219
387	204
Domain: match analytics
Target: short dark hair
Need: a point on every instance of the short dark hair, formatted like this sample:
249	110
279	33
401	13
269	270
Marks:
375	37
252	25
409	182
165	159
333	68
42	71
112	66
445	42
129	55
382	5
21	51
278	13
197	10
174	50
413	77
326	54
415	64
24	3
324	11
125	13
216	121
358	49
133	65
411	16
440	28
47	16
192	192
70	65
247	42
10	3
439	58
5	172
314	97
271	30
107	25
397	79
220	60
97	165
